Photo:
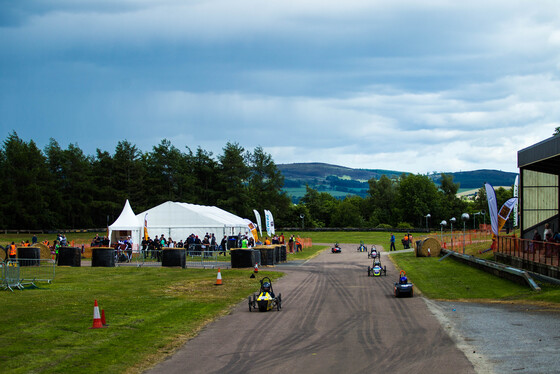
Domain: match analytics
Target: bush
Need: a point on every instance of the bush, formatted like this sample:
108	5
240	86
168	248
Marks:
384	226
404	225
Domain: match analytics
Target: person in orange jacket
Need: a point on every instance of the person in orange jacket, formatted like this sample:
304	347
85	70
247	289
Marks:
12	251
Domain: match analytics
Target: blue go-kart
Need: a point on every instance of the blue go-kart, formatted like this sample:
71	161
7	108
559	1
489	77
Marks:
376	270
403	287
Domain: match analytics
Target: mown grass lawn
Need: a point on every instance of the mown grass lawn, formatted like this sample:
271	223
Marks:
307	253
355	237
452	280
150	311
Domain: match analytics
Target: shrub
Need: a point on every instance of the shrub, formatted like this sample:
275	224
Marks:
404	225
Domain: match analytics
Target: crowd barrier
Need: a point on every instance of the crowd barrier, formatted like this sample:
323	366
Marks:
194	256
21	272
472	241
532	250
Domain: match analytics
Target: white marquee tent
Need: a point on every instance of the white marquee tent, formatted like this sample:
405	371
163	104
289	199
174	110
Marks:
126	225
179	220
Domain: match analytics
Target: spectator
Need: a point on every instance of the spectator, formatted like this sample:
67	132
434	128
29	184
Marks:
223	245
12	253
281	239
34	239
392	248
547	231
299	244
536	239
291	244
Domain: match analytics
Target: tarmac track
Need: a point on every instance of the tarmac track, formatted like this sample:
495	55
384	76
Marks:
334	319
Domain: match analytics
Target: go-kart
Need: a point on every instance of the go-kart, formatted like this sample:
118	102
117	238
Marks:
373	253
265	300
403	287
336	248
376	270
362	247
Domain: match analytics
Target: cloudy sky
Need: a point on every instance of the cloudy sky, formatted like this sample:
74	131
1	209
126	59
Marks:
419	86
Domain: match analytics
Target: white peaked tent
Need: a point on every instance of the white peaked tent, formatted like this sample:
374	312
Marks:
126	225
179	220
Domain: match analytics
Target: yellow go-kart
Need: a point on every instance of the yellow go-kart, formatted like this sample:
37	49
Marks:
266	299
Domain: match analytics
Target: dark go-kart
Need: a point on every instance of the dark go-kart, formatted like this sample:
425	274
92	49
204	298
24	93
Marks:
336	248
403	287
376	270
373	253
362	247
265	300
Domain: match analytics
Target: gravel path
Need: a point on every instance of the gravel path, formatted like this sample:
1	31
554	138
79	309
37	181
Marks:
503	338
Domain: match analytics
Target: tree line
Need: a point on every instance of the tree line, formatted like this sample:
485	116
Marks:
63	188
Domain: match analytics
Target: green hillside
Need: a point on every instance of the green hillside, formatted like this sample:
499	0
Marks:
342	181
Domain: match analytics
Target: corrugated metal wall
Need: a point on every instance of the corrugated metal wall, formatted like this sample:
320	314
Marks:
539	200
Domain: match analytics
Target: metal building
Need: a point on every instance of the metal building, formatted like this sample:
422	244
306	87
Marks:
539	195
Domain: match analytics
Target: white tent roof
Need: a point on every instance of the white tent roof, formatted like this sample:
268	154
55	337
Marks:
179	220
127	220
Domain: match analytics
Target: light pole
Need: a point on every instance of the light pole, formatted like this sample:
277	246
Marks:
442	223
302	216
464	217
452	221
427	216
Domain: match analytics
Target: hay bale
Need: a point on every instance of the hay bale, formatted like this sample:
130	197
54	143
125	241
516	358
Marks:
432	244
45	252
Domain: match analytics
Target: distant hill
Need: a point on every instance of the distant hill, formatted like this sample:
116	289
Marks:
311	170
476	178
341	181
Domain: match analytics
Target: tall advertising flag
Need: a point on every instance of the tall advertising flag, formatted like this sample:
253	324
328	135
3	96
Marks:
269	223
146	226
515	194
505	210
492	207
253	229
258	218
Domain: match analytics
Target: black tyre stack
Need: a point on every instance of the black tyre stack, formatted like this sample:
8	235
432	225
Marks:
70	256
173	257
28	256
102	257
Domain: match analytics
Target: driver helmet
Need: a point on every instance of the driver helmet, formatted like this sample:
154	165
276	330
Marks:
403	279
266	287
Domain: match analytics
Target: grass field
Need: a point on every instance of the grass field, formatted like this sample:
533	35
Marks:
150	311
153	310
452	280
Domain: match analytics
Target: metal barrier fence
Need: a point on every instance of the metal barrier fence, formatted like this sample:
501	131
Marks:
537	251
21	272
472	241
195	256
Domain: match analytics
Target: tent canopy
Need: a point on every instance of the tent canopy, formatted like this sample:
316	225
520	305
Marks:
179	220
126	225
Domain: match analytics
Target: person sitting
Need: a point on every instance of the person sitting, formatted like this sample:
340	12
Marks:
267	287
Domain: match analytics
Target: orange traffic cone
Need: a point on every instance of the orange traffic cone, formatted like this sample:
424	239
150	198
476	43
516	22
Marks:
96	318
103	322
219	278
256	267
